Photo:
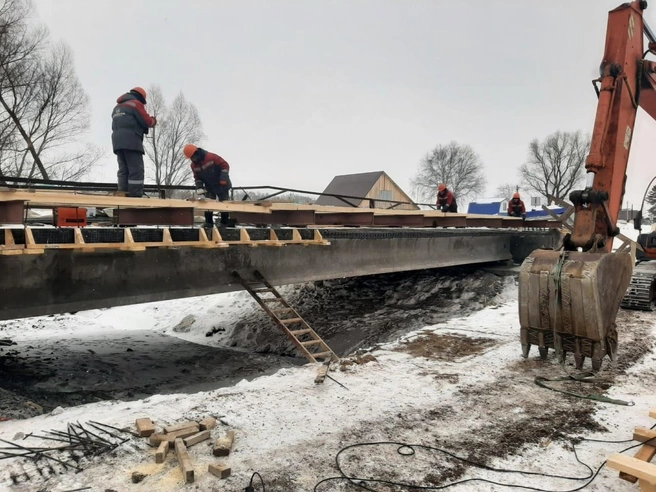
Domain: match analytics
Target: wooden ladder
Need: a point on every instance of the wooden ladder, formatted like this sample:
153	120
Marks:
287	318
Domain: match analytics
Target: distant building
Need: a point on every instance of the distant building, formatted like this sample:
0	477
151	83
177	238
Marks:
374	186
499	206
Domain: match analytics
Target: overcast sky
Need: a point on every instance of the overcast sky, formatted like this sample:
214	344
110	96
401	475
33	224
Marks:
293	92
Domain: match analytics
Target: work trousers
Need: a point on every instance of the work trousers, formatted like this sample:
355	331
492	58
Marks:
221	193
130	172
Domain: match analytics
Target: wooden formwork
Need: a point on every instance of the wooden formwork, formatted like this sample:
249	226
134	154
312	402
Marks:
128	243
639	467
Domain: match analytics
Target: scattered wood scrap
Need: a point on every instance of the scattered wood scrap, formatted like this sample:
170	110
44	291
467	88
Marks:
162	451
183	436
196	438
184	461
179	427
145	427
207	423
322	372
639	468
219	470
223	445
155	439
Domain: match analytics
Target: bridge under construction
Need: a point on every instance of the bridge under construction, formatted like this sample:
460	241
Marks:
152	250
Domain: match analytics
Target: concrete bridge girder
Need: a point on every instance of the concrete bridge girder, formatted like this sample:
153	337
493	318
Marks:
63	280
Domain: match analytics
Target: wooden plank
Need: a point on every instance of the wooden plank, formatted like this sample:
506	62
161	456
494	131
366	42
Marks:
162	451
218	470
196	438
145	427
60	198
645	453
322	373
156	439
223	445
184	461
652	413
207	423
180	426
642	434
637	468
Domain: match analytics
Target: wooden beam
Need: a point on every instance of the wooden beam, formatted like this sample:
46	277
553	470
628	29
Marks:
145	427
185	462
223	445
637	468
646	453
177	427
162	451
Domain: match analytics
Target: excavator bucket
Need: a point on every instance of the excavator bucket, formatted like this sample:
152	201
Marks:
568	301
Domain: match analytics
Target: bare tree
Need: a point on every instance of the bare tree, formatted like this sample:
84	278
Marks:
46	111
556	165
507	190
177	126
457	165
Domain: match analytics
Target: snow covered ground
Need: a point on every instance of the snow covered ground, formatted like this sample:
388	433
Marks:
459	384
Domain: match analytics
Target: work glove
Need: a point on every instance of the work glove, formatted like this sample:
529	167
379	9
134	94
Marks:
201	192
154	121
445	208
523	216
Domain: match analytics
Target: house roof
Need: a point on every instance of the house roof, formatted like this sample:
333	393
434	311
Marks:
349	184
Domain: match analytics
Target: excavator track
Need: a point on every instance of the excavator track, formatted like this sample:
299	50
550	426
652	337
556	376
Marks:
640	294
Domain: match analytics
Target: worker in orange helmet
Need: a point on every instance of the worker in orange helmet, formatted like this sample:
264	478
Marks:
446	202
130	122
516	207
212	178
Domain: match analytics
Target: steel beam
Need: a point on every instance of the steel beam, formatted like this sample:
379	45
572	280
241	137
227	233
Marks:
281	217
399	220
154	216
344	219
454	221
12	212
484	222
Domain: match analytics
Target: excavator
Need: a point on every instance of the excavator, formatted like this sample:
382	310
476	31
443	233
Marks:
569	296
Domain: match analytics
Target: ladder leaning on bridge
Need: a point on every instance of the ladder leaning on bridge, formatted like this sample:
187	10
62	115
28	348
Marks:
304	337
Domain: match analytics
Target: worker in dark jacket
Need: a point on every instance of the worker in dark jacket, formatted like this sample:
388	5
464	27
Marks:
212	178
516	207
130	122
445	199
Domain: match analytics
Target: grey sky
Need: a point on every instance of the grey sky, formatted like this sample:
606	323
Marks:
292	93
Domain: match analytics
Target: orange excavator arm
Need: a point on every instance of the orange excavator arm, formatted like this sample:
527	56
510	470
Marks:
569	297
627	81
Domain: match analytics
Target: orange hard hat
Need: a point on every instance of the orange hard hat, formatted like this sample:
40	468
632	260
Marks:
516	195
441	187
189	150
140	90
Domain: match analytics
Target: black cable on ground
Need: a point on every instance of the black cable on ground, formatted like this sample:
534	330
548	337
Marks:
250	487
410	449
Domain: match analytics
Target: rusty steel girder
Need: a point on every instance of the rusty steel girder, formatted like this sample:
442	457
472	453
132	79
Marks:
568	301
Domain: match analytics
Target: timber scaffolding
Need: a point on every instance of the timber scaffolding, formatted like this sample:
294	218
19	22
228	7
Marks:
170	222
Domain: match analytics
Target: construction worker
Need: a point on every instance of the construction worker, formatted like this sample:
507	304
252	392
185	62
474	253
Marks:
516	207
130	122
445	199
212	178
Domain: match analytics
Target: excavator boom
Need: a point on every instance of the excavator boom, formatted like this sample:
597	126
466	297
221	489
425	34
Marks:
569	297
